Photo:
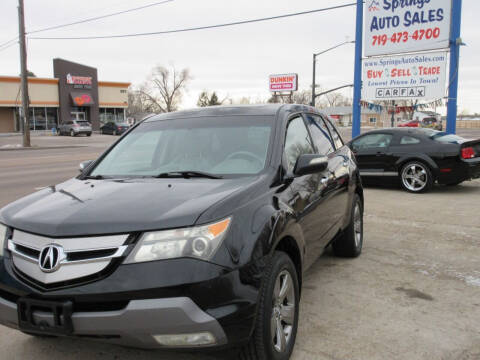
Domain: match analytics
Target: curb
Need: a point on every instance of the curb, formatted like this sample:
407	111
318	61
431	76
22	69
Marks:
42	148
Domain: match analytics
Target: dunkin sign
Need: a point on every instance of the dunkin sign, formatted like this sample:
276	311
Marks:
283	82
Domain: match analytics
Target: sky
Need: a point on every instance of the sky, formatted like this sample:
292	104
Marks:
233	61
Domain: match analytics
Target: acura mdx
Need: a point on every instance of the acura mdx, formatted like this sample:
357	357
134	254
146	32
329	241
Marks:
193	230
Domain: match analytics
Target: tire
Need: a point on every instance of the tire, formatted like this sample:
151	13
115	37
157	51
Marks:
72	133
114	133
261	346
350	241
59	132
89	134
416	177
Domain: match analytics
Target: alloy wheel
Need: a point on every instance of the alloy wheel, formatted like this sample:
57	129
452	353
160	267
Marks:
415	177
357	225
283	311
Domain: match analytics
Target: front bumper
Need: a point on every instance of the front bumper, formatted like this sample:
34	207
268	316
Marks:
138	301
136	325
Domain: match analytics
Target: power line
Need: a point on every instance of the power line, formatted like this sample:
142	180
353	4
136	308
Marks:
100	17
196	28
9	41
6	47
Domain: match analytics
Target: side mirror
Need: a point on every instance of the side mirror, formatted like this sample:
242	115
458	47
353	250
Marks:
310	164
84	164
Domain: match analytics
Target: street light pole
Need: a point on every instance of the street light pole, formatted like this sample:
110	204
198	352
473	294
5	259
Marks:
315	65
23	65
313	79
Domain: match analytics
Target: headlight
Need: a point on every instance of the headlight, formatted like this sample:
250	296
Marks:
3	235
198	242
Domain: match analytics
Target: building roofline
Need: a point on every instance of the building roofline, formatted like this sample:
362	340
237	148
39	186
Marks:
39	80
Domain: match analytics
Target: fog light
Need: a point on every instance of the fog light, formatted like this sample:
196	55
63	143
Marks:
196	339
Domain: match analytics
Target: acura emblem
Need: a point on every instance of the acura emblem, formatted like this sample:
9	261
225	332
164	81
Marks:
50	258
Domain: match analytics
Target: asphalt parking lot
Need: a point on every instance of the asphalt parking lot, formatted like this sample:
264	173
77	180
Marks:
413	294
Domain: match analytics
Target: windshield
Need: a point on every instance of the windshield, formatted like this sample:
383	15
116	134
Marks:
234	145
443	137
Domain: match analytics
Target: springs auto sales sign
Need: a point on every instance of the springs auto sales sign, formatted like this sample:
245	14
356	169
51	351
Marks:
401	26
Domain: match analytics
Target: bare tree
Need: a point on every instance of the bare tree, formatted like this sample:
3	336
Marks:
164	89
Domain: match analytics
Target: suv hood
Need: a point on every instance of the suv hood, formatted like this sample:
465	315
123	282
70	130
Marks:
94	207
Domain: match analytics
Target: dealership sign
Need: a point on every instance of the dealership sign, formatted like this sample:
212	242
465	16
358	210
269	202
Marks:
283	82
407	77
401	26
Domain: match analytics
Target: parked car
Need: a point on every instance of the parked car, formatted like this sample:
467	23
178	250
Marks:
194	230
114	128
430	122
74	128
416	157
411	123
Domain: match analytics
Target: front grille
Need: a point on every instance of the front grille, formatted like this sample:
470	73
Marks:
49	262
24	250
91	254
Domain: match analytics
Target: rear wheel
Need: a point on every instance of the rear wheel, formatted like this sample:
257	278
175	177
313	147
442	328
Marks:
350	242
416	177
89	134
277	317
72	133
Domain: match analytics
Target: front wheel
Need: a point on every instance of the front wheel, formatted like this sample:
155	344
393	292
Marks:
350	241
277	317
416	177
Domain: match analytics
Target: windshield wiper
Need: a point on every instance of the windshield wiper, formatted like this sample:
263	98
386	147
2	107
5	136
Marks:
188	174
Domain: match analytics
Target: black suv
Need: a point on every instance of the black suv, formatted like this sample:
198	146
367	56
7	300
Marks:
193	230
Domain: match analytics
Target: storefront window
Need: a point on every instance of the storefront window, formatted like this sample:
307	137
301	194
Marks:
41	118
52	118
116	115
31	118
120	115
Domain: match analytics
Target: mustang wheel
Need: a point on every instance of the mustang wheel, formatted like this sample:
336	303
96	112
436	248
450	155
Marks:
277	318
416	177
350	242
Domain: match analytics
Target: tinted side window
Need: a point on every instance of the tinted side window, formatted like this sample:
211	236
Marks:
297	142
409	140
335	136
372	141
320	135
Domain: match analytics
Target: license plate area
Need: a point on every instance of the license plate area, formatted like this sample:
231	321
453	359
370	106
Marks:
45	317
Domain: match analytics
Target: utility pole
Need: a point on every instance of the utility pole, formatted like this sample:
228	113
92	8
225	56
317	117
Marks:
357	81
455	43
23	65
313	79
